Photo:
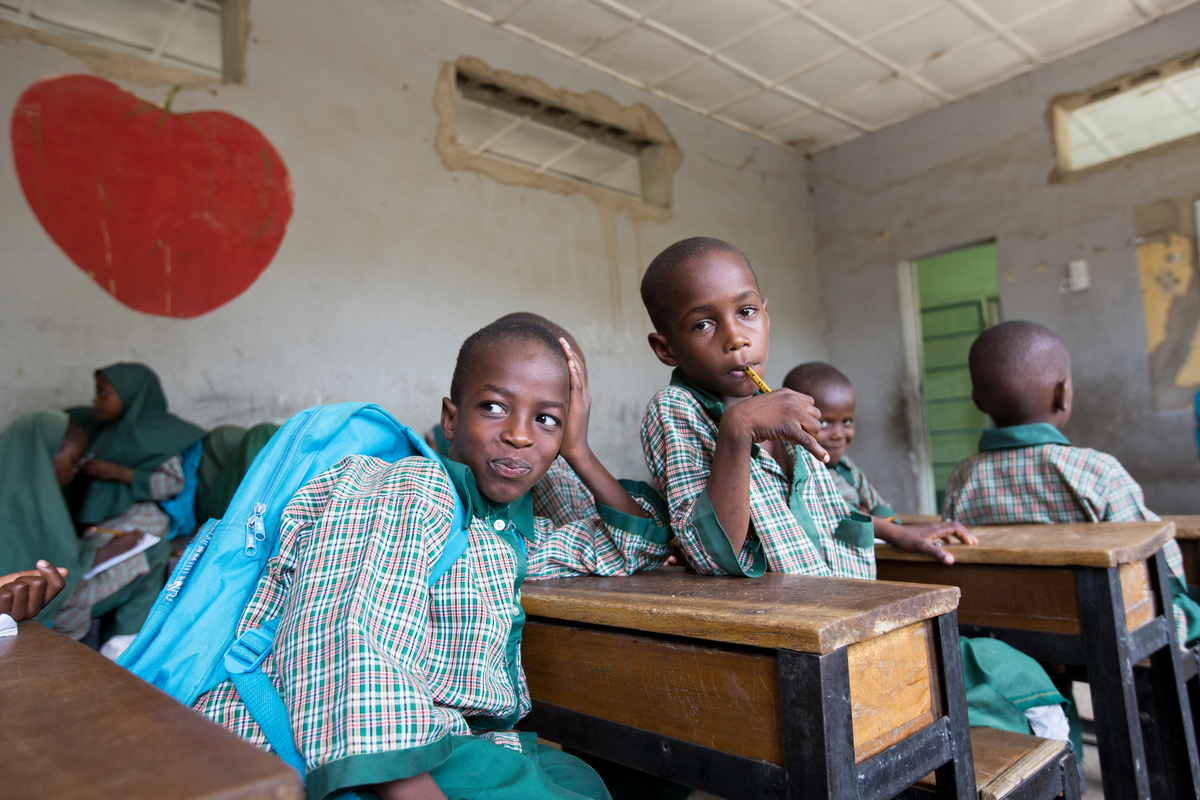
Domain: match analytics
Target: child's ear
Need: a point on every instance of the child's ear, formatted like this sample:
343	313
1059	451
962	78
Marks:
662	349
449	412
1062	400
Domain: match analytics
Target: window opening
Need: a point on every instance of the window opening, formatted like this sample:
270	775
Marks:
1131	114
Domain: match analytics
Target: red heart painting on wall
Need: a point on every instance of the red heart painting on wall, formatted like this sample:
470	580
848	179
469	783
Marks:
171	214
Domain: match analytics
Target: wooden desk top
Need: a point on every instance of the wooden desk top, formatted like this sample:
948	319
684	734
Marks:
1187	527
793	612
74	724
1075	544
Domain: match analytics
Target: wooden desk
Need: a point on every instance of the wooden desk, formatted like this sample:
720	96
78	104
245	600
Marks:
784	686
74	724
1187	533
1092	595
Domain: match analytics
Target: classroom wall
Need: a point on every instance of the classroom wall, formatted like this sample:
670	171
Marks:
980	168
390	260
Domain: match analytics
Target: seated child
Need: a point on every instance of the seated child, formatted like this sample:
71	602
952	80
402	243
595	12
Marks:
134	464
39	454
833	395
1026	471
410	690
743	498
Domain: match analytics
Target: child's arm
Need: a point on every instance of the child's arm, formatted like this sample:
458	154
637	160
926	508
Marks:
921	538
578	454
23	595
781	415
418	787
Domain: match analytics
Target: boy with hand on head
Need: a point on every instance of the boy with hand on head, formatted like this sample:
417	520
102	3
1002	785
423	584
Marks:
743	497
406	690
833	395
1026	471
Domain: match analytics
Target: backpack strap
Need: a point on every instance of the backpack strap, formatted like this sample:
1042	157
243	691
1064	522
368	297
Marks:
244	661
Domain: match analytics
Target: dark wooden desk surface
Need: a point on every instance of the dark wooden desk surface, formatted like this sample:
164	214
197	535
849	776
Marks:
793	612
1083	544
74	724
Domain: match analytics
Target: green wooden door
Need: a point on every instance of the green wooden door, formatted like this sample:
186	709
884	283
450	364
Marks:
959	298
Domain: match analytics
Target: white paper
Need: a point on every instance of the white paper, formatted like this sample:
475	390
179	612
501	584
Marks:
146	543
8	626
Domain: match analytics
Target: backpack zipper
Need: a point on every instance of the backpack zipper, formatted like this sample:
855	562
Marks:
193	555
255	530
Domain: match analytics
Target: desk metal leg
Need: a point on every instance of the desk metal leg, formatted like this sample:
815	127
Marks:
1110	674
818	733
956	778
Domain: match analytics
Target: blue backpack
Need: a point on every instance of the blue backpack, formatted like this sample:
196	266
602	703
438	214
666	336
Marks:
188	644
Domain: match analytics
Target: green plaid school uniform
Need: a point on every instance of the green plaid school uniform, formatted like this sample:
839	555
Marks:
561	497
857	491
1032	474
385	677
802	527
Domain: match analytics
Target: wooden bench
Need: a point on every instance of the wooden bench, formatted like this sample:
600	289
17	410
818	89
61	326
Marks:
784	686
1013	766
1093	596
74	724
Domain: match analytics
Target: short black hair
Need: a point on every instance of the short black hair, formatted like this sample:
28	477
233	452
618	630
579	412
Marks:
502	331
813	375
528	316
663	274
1014	366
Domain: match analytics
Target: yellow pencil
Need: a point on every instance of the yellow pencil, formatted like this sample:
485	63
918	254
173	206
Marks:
109	531
759	382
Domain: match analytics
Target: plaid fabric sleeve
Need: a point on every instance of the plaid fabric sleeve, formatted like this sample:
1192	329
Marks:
953	507
561	496
679	440
167	481
614	544
1123	501
868	496
846	536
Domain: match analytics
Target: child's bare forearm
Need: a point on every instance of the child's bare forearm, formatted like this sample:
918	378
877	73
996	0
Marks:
888	531
603	486
418	787
729	481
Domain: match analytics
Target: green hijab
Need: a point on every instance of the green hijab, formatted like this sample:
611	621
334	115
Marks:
143	438
34	520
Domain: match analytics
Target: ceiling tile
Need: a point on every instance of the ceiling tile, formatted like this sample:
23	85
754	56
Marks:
714	22
476	123
496	9
837	76
1078	23
641	55
198	38
762	109
140	23
707	85
572	24
532	144
626	178
888	102
813	131
928	37
973	67
862	18
1006	12
786	46
590	161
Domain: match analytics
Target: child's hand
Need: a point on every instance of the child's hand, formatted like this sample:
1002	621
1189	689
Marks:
923	538
781	415
107	471
23	595
574	441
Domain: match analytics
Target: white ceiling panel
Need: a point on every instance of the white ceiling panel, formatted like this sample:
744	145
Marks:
783	48
707	85
970	68
838	76
929	36
714	22
574	25
831	69
762	110
641	55
885	103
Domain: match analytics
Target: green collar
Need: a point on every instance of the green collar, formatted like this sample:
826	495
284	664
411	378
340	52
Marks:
1021	436
707	400
517	514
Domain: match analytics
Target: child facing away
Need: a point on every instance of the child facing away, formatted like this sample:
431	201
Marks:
834	397
743	497
407	690
135	462
1026	471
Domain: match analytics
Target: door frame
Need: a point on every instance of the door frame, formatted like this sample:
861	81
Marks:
921	453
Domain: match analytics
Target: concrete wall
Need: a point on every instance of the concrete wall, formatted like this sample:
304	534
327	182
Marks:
979	168
390	260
